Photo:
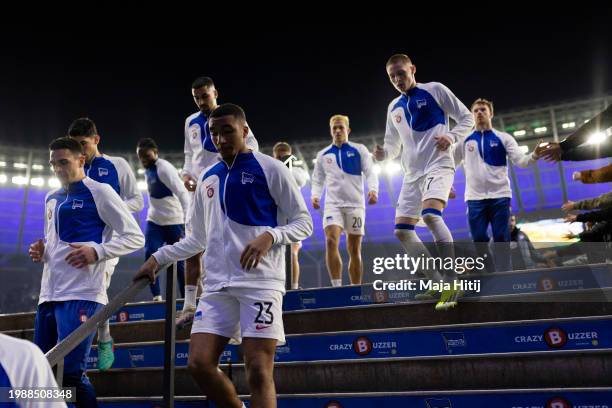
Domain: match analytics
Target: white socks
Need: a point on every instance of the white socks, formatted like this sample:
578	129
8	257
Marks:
414	246
437	226
190	295
442	236
336	282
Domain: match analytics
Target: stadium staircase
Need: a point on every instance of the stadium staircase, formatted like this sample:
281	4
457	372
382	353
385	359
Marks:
540	338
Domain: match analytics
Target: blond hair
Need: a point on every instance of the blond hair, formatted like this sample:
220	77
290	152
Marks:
341	118
403	58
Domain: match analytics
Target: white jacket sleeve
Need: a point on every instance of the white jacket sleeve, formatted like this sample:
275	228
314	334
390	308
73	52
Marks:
367	167
393	143
517	157
318	178
251	142
27	367
454	108
127	236
170	177
188	166
457	152
289	200
195	242
300	175
45	257
128	186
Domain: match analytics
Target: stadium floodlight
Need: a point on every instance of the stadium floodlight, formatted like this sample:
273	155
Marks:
524	149
596	138
54	182
141	171
377	169
142	185
20	165
37	181
520	133
540	129
19	180
2	164
568	125
587	120
392	168
3	178
37	167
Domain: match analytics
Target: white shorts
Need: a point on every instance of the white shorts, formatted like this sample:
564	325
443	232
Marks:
351	219
241	312
437	184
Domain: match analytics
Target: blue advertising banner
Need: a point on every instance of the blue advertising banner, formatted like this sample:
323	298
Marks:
511	283
520	399
548	335
133	312
584	277
152	355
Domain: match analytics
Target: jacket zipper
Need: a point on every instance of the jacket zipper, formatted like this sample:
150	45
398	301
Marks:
57	230
483	159
229	168
409	113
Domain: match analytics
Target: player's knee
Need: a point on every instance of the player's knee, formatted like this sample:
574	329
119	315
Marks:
403	232
332	241
201	368
432	216
258	374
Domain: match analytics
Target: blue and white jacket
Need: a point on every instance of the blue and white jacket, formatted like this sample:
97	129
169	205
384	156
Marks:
23	365
485	161
200	151
117	173
234	204
168	197
87	212
341	170
414	119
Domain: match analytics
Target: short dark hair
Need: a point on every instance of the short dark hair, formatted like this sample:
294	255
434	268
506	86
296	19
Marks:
66	143
282	146
201	82
228	109
83	127
398	58
482	101
147	143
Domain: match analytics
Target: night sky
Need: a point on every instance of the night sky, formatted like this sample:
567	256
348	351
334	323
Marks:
288	82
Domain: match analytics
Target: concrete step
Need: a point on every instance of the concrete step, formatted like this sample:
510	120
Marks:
560	369
368	317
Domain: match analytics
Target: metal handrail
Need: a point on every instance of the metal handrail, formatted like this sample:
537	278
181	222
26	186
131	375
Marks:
56	355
